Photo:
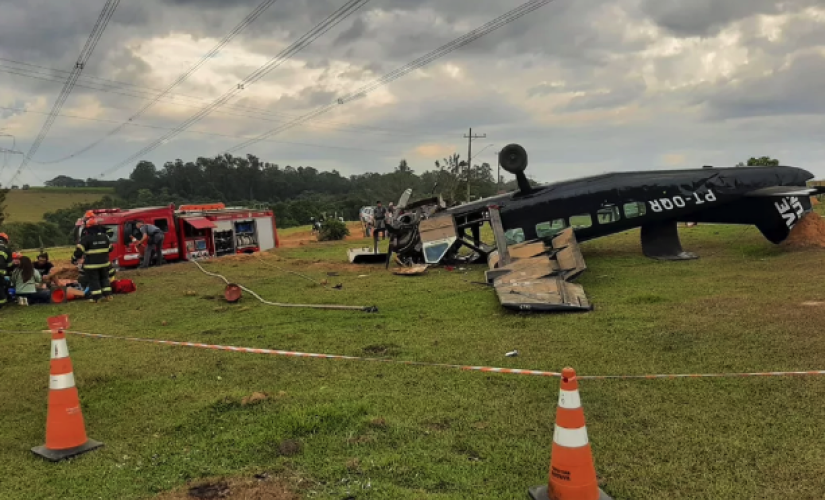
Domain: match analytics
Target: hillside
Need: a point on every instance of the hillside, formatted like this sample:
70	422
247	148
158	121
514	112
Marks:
30	205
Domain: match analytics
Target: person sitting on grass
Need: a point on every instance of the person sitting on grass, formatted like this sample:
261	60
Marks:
42	265
28	284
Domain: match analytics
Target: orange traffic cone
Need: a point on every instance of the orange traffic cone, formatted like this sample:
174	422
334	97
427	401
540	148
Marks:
65	429
65	294
572	472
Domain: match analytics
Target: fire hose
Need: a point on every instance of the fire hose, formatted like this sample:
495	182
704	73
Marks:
280	304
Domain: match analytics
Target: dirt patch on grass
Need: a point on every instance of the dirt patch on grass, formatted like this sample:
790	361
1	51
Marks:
64	273
289	448
254	398
808	232
382	350
266	488
306	237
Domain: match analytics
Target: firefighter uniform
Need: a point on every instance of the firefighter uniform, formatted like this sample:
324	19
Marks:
5	261
94	248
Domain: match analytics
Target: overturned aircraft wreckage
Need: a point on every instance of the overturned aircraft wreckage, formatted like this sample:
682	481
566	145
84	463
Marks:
537	229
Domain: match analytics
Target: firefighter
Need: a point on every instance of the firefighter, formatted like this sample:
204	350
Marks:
83	220
94	249
5	261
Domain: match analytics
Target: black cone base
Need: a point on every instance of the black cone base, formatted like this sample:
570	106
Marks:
58	455
540	493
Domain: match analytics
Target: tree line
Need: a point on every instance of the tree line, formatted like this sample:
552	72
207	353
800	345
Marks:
294	193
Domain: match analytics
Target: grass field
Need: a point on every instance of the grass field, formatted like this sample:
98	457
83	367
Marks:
31	204
172	416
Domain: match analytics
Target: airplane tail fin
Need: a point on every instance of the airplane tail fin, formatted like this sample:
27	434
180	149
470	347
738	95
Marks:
778	214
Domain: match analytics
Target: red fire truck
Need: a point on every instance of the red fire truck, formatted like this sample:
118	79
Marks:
191	231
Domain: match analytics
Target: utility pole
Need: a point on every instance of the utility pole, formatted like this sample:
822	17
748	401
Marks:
470	138
498	172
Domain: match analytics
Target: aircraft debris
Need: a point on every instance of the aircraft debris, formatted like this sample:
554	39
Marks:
536	230
410	271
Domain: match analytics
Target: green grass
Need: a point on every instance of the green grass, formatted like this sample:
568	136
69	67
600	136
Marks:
172	414
31	204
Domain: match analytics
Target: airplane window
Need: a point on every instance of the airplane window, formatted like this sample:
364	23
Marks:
582	221
634	209
608	214
514	236
434	253
549	229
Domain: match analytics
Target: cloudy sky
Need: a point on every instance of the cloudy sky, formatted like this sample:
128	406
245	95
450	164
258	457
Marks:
586	86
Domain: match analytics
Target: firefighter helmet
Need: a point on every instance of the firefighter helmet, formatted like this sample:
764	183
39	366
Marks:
91	222
4	236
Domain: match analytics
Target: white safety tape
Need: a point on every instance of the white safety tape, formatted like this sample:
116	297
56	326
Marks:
569	399
60	349
570	438
58	382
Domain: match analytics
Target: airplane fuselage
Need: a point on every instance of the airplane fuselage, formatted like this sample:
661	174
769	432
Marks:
610	203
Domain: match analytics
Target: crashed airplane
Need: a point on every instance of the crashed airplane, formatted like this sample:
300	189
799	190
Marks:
537	229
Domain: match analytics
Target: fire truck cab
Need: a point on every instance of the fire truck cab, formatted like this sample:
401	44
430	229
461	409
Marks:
191	231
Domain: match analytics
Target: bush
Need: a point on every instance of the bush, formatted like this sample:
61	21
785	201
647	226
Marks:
28	235
333	230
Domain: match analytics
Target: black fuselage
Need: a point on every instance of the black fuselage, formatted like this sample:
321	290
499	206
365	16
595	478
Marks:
606	204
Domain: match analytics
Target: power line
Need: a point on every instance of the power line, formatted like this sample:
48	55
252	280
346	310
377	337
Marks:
91	42
330	124
459	42
327	24
249	19
7	152
213	134
115	87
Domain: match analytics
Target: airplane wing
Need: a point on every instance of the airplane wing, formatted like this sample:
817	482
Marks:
538	278
787	191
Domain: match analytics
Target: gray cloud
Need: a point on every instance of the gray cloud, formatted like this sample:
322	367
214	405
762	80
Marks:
517	84
796	90
706	17
621	95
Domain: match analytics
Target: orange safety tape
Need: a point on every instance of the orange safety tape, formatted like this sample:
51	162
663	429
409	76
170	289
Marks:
252	350
490	369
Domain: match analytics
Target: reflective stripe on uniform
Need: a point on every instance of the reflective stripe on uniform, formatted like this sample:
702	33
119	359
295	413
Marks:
81	247
60	349
98	250
4	254
57	382
3	301
95	266
570	438
107	289
569	399
97	292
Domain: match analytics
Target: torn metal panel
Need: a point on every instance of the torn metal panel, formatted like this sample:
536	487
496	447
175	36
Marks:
410	271
538	278
437	228
552	294
366	256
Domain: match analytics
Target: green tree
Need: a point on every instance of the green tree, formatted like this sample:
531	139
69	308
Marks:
762	161
145	175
